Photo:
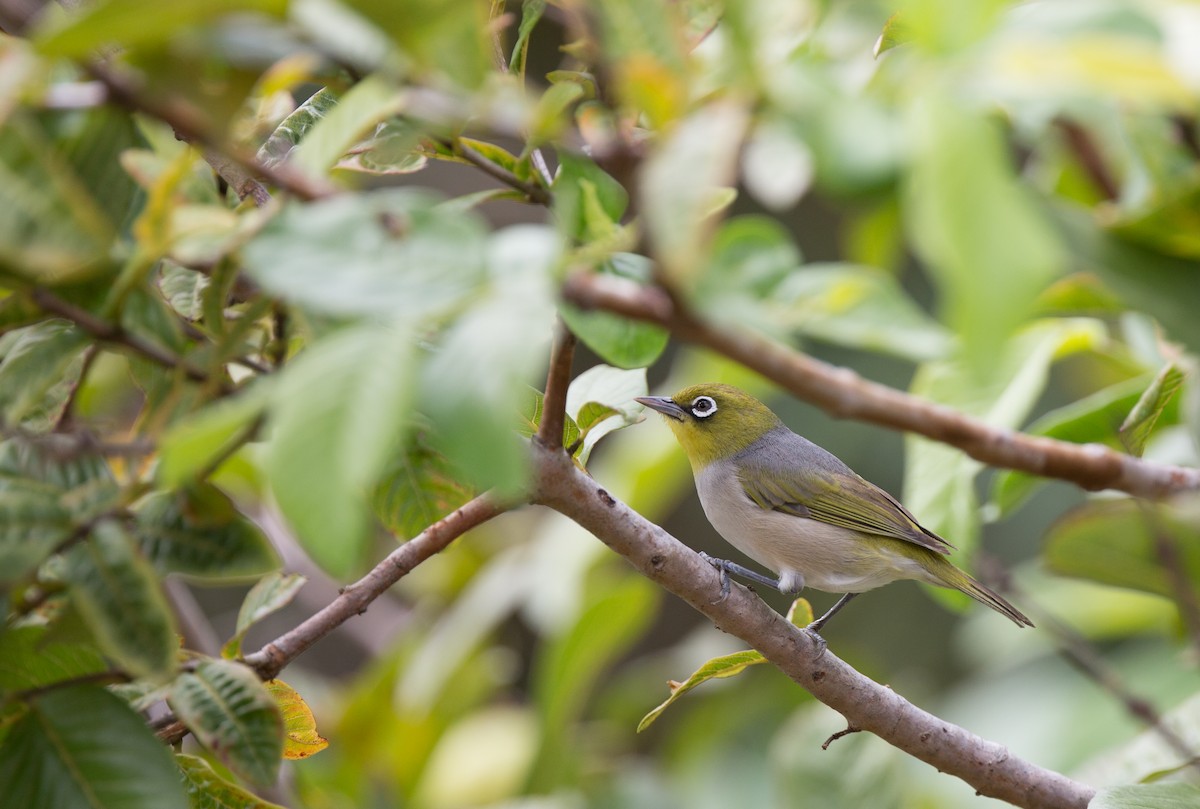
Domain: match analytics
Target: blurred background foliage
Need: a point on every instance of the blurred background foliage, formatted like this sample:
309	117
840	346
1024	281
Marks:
991	204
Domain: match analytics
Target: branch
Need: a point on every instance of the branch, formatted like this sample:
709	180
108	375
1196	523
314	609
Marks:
844	394
988	767
533	191
558	378
354	599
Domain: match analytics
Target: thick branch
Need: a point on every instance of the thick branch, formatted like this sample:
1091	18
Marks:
844	394
354	599
988	767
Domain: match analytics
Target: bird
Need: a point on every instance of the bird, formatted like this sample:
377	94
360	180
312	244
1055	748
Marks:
798	510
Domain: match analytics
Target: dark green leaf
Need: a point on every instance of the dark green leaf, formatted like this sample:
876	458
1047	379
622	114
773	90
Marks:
417	490
1117	542
118	595
32	524
39	368
618	340
1148	796
389	253
338	412
1093	419
207	790
83	748
199	532
232	714
29	660
531	12
270	594
1136	429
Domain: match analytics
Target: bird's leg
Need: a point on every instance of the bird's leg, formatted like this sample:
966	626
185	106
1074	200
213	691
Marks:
814	629
725	567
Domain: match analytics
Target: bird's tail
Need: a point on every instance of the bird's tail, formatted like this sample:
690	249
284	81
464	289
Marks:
947	575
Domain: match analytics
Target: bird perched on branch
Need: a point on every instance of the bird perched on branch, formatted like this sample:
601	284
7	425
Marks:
798	510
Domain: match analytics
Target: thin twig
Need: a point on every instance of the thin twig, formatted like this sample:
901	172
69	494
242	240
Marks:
844	394
1088	154
558	379
533	191
357	597
833	737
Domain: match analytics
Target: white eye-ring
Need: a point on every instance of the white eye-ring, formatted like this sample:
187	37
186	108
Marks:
703	407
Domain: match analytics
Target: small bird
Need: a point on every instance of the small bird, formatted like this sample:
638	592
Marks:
798	510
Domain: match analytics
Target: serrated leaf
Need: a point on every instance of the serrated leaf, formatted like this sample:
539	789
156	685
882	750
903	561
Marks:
390	253
28	660
39	367
83	747
197	531
338	412
301	739
272	593
1140	422
601	400
207	790
718	668
118	595
1114	542
418	489
233	715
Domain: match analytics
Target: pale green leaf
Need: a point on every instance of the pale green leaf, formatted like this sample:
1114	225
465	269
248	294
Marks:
718	668
1147	755
83	748
270	594
367	103
118	595
417	489
232	714
207	790
338	412
1148	796
297	125
197	441
197	531
39	368
618	340
601	400
1138	425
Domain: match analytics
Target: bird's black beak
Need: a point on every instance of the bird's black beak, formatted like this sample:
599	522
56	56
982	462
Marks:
663	405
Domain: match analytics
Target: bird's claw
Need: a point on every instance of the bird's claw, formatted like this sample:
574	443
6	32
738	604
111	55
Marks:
720	566
822	644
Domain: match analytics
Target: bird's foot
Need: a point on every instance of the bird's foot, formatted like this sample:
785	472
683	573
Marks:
719	564
822	645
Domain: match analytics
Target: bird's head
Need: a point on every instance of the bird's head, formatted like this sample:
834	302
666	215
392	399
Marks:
713	421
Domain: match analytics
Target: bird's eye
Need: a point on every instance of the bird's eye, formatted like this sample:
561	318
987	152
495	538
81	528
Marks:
703	407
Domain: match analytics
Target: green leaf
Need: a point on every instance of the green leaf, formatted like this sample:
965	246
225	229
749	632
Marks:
394	148
476	382
718	668
301	739
338	412
1147	757
138	23
232	714
297	125
531	419
682	181
194	443
83	748
939	479
575	217
270	594
750	256
39	368
895	33
859	307
32	524
975	227
390	253
1092	419
601	400
417	489
445	37
1148	796
197	531
618	340
366	104
117	594
550	114
29	660
531	12
1140	423
207	790
1115	542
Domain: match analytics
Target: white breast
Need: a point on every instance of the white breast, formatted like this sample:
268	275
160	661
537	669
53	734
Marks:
802	552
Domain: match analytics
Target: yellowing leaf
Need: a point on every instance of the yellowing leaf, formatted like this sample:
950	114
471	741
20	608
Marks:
300	737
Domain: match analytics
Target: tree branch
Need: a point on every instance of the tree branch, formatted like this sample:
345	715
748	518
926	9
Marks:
844	394
354	599
988	767
558	379
533	191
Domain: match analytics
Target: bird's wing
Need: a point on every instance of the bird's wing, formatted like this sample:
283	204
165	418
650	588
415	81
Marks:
837	497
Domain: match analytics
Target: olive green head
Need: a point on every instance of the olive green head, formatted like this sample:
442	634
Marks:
713	421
